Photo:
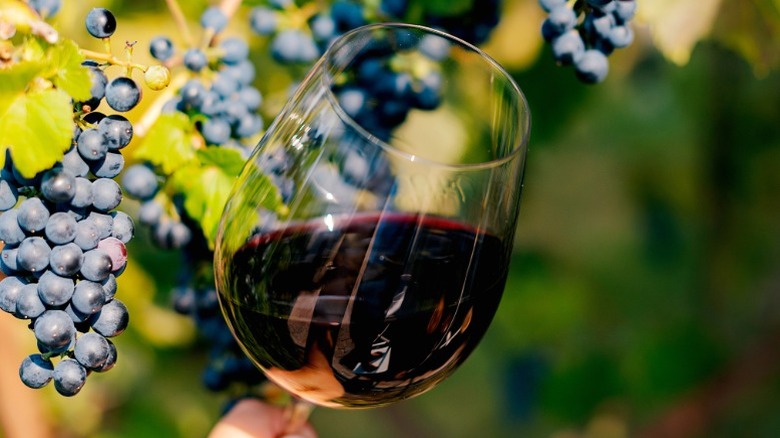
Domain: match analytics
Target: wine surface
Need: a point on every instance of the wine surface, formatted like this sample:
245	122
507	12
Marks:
365	310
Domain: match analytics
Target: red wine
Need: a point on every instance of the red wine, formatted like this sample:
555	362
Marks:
365	310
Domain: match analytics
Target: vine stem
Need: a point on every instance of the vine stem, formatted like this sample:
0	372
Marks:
111	59
151	114
181	22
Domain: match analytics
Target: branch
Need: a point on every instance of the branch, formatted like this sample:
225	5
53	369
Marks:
181	22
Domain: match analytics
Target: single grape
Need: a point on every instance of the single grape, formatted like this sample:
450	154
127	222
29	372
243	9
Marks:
117	131
213	18
92	145
243	72
55	291
33	255
161	48
157	77
110	360
58	185
109	166
624	10
150	212
116	251
140	182
83	196
60	228
251	98
292	45
234	50
101	23
123	227
106	194
562	18
621	36
54	329
549	5
10	288
97	89
9	195
28	303
10	231
36	371
195	60
74	163
104	222
8	258
109	288
88	297
69	377
224	85
592	66
568	47
216	131
263	20
435	47
112	319
33	215
87	235
122	94
323	28
96	265
65	260
248	125
92	350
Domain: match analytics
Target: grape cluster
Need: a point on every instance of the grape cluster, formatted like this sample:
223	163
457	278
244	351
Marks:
585	34
222	103
64	241
228	365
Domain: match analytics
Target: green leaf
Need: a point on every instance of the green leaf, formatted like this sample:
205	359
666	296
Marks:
37	127
207	187
448	8
67	72
169	143
229	160
752	29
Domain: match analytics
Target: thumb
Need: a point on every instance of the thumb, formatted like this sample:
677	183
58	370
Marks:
251	418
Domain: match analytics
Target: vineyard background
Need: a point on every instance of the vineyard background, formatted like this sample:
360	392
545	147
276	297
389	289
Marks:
644	297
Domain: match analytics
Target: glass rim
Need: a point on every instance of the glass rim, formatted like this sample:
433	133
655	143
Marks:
523	117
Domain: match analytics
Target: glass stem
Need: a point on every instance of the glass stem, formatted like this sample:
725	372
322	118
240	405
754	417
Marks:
296	413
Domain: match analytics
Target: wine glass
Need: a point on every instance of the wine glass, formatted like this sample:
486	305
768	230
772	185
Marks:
366	243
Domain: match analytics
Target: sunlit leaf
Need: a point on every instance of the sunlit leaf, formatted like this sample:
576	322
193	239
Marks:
169	143
752	29
677	25
36	126
67	72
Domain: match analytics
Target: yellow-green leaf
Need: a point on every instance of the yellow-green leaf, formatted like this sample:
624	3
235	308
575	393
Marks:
677	25
169	143
37	127
67	72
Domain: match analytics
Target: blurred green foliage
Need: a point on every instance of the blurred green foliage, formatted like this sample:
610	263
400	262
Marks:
645	282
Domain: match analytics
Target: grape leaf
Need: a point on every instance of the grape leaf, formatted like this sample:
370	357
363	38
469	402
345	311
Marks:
678	25
37	128
207	186
169	143
751	29
67	72
229	160
37	125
